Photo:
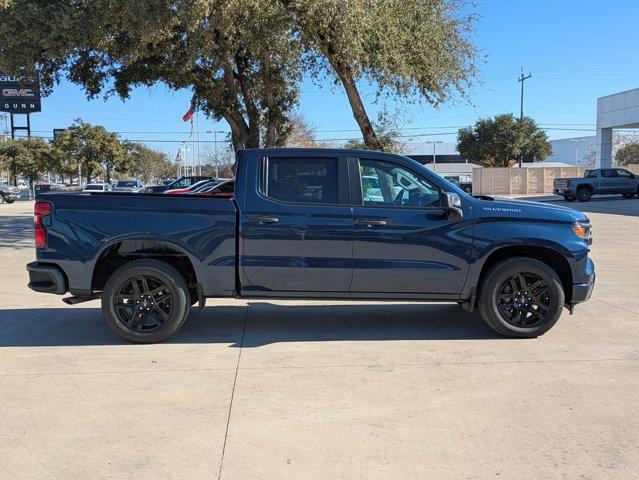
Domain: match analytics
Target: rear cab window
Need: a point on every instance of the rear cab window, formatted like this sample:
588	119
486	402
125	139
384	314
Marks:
301	180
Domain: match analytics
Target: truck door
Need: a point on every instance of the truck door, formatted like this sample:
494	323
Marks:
616	180
403	241
297	227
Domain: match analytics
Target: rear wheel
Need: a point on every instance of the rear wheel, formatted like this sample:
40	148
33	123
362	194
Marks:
521	297
584	194
569	197
146	301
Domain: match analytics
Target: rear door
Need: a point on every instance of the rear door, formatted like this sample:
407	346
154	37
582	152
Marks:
297	226
404	243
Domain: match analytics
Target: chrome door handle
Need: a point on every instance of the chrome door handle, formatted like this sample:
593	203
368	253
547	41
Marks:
264	220
371	222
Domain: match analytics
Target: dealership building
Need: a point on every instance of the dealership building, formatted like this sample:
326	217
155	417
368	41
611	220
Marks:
619	110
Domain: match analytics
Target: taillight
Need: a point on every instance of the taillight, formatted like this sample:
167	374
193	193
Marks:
40	210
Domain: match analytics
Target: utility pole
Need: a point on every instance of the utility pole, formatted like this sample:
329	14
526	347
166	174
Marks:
522	79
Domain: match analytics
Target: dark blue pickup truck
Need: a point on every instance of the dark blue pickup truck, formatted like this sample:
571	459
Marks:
313	223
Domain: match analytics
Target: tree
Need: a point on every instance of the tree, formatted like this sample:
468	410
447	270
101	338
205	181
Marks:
145	163
499	141
406	48
92	147
244	60
9	151
26	157
388	132
239	58
628	154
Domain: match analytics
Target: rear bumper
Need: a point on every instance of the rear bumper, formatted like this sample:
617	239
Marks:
46	278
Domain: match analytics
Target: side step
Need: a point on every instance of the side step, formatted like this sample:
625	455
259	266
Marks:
74	300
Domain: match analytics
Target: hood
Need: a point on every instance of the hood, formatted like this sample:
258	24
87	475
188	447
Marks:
502	207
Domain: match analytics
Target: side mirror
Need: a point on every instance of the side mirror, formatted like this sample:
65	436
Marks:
452	203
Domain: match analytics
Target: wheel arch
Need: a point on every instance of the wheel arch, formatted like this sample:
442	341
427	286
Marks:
546	254
120	251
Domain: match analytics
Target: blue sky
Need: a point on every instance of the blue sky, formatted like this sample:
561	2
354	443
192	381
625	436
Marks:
575	50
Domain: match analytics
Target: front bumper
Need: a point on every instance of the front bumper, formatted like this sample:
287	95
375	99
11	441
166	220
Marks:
582	291
46	278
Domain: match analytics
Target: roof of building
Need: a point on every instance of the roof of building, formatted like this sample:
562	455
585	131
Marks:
452	167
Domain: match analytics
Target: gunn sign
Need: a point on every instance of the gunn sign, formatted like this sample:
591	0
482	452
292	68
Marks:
19	94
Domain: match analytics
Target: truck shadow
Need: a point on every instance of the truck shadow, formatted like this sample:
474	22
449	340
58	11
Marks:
266	324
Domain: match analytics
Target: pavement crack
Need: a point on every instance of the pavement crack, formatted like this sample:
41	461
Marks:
228	418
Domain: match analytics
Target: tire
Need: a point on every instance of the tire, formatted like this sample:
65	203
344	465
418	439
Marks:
584	194
628	195
9	200
568	197
164	292
494	303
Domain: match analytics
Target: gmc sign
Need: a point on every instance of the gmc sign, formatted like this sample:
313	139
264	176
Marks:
19	94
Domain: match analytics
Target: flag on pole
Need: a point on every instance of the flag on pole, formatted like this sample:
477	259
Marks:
188	116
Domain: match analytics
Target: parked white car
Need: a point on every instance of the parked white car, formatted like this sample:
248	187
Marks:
97	187
131	186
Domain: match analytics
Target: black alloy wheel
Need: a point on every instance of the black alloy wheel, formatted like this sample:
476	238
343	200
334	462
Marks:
523	300
521	297
144	303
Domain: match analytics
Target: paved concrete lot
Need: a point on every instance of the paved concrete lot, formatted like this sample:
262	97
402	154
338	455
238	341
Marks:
322	390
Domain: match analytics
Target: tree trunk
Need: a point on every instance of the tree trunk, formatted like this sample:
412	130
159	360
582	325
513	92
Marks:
108	173
14	174
270	137
357	106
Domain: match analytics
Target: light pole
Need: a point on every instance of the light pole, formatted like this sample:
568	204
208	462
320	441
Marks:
217	160
576	142
434	142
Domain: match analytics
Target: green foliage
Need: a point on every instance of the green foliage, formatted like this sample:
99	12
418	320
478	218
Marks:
500	141
408	49
26	157
244	60
91	146
628	154
144	163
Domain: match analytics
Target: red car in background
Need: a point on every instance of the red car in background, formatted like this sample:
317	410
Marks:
195	186
221	190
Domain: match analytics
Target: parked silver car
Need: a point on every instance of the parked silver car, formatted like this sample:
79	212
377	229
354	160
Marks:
97	187
131	186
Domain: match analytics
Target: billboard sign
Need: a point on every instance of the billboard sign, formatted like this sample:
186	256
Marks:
19	94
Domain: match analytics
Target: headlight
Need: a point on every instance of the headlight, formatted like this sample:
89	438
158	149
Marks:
582	230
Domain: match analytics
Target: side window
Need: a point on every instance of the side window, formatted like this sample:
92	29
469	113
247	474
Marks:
388	184
590	174
184	183
301	180
609	173
624	173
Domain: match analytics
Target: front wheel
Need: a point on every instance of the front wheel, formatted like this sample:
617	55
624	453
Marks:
521	297
628	195
146	301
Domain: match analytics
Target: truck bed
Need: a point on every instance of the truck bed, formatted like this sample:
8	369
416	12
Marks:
85	227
